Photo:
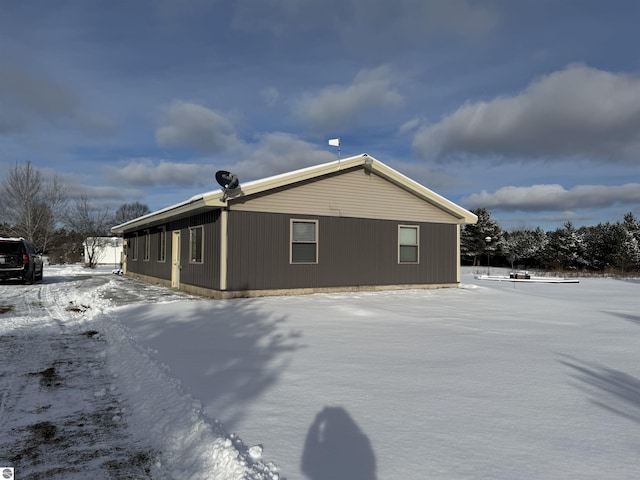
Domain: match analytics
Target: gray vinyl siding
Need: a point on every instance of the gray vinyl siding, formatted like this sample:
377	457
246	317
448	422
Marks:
351	252
206	274
153	267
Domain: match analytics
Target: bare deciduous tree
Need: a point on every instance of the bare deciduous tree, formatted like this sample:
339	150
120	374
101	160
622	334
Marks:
129	211
31	206
92	223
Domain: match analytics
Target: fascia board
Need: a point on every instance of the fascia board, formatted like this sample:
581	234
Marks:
159	216
213	199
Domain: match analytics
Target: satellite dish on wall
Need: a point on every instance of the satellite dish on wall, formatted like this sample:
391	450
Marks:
228	181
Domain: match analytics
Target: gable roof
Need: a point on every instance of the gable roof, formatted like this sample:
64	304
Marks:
214	199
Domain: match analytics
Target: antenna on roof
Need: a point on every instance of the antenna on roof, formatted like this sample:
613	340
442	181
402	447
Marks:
335	142
228	181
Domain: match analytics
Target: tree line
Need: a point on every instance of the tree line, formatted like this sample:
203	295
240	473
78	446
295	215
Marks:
603	248
41	211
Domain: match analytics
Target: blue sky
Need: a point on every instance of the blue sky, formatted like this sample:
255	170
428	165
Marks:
528	108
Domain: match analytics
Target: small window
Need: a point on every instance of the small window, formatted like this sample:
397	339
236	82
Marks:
408	245
195	244
304	241
162	245
146	254
134	247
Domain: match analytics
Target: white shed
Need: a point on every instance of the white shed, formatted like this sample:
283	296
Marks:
103	251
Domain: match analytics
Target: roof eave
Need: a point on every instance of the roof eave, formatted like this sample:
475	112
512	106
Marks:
160	216
216	198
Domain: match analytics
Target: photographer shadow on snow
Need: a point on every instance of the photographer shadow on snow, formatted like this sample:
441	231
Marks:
336	449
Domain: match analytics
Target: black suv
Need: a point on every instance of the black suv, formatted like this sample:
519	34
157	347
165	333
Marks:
19	259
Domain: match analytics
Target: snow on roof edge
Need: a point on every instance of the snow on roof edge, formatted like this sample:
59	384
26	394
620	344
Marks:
201	196
444	202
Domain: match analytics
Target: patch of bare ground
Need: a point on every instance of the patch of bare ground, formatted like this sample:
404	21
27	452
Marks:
74	307
6	308
61	417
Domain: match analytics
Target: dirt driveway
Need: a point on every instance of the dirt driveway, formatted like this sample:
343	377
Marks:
60	414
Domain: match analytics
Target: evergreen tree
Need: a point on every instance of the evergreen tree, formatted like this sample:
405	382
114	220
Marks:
526	246
629	255
565	249
601	245
473	238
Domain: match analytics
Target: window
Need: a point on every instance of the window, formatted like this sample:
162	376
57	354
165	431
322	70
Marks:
134	247
162	245
304	241
147	246
195	244
408	245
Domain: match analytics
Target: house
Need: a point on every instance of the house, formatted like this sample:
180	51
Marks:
351	224
103	251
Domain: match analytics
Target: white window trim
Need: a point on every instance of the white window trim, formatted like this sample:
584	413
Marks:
417	245
316	242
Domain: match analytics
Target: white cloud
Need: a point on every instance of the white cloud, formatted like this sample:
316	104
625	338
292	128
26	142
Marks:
146	172
410	126
78	185
105	195
191	125
277	153
575	112
554	197
339	106
272	154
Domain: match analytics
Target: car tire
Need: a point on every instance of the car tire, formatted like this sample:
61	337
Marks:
28	278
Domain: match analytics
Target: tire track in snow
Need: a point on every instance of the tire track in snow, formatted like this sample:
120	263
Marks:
85	401
59	414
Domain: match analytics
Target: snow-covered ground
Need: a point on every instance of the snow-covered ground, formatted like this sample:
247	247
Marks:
80	398
108	377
